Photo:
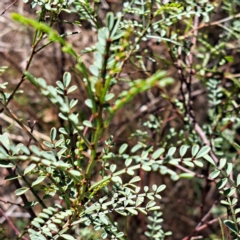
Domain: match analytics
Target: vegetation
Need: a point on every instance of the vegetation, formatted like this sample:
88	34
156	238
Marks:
144	122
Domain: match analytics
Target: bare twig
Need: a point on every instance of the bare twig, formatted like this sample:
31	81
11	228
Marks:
13	203
21	125
10	223
218	22
8	7
38	135
201	223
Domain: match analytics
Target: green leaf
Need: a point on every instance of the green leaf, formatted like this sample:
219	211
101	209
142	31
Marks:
35	150
104	235
23	148
238	179
87	123
75	173
204	150
31	78
123	148
38	180
229	192
186	175
132	211
231	225
237	146
5	141
146	168
198	163
94	70
103	219
120	234
222	163
53	227
73	118
136	148
57	221
155	208
188	163
40	220
30	205
209	159
113	168
21	191
229	168
150	204
158	153
66	79
71	89
183	150
214	174
89	103
117	179
128	162
59	142
73	103
43	215
35	224
11	177
62	116
130	172
171	151
195	150
68	237
63	131
109	96
60	85
53	134
135	179
48	144
222	183
110	20
6	164
161	188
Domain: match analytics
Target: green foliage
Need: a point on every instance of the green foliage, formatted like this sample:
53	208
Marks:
96	178
155	230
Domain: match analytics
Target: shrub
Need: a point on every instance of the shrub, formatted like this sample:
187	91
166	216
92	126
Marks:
83	180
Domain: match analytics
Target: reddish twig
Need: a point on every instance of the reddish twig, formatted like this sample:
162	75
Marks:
201	223
10	223
8	7
8	202
203	227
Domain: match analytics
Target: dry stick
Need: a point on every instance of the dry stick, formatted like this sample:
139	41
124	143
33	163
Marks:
8	7
188	105
23	196
131	51
11	224
12	203
23	75
22	125
31	127
201	222
208	223
211	24
38	135
205	226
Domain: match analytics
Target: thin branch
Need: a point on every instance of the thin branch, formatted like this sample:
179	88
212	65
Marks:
201	223
8	7
218	22
20	124
10	223
12	203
